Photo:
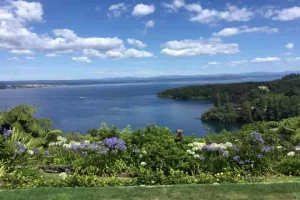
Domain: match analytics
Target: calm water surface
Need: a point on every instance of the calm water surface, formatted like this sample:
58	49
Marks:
116	104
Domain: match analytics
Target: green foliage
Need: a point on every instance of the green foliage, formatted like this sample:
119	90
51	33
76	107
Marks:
289	166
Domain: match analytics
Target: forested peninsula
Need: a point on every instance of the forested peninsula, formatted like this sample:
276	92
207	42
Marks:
246	102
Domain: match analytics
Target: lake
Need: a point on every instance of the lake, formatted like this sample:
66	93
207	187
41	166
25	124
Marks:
79	108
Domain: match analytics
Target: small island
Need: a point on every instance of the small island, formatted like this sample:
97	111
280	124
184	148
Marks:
246	102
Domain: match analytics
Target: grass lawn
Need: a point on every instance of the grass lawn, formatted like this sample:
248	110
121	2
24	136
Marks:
286	191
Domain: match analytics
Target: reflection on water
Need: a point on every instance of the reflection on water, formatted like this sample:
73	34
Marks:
217	127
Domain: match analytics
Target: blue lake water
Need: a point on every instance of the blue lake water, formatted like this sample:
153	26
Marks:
134	104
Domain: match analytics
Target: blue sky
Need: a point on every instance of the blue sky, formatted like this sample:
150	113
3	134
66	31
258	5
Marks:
75	39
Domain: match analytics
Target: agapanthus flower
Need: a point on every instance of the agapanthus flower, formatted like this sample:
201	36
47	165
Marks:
225	154
63	175
237	157
7	133
257	137
21	149
266	149
196	156
247	161
235	148
279	147
47	153
136	151
36	150
241	162
297	148
104	151
114	143
259	156
143	164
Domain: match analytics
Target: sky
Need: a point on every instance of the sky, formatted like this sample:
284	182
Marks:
91	39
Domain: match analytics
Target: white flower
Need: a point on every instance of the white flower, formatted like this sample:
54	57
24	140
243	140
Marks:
196	156
51	144
279	147
67	146
228	144
143	163
297	148
291	154
87	142
152	182
30	152
63	175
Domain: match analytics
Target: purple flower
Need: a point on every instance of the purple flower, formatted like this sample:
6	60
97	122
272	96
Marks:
104	151
237	157
47	153
136	151
241	162
36	150
259	156
114	143
21	149
225	154
257	137
266	149
247	161
7	133
235	148
201	157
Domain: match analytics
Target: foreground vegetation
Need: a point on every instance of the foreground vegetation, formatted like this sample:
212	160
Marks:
246	102
34	155
180	192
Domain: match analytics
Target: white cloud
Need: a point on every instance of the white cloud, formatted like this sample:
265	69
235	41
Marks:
117	10
136	43
121	53
143	9
214	63
150	24
237	62
27	11
287	54
21	51
199	47
289	46
286	14
65	33
226	32
81	59
201	15
15	59
293	59
51	55
266	59
30	58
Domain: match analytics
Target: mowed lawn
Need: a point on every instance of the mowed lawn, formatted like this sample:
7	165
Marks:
286	191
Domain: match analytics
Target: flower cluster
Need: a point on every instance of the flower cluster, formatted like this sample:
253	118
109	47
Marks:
60	141
257	137
297	148
114	144
266	149
76	146
291	154
20	147
7	133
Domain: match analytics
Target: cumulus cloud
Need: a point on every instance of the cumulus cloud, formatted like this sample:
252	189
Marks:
21	51
116	10
289	46
143	10
27	11
226	32
150	24
202	15
121	53
266	59
136	43
18	38
286	14
199	47
81	59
